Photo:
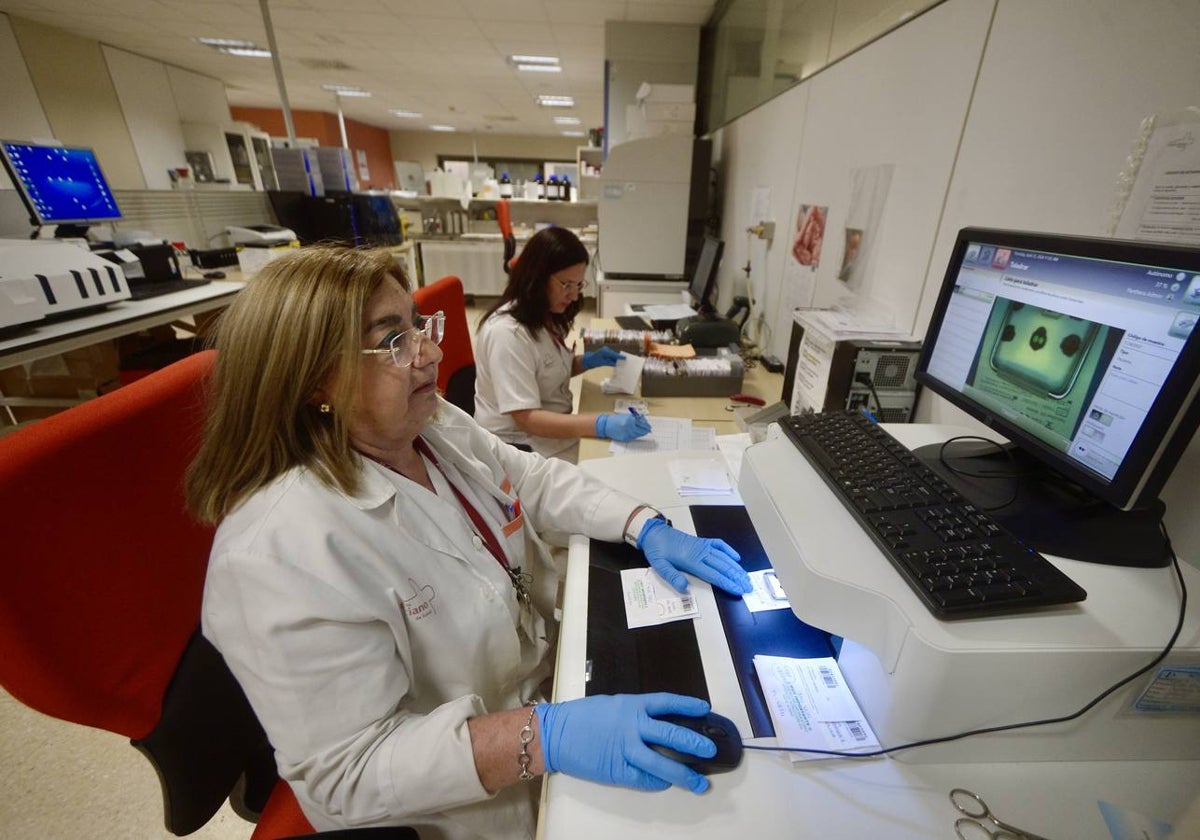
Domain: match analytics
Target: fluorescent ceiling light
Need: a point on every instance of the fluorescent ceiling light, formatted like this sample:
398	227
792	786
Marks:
400	112
533	59
566	120
245	52
226	42
347	90
547	101
573	134
540	68
442	128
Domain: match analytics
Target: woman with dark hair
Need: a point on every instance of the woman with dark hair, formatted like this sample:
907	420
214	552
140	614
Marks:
523	362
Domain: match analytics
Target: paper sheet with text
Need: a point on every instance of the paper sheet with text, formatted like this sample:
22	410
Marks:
651	600
811	707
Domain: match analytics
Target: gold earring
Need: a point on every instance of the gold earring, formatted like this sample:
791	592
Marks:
325	408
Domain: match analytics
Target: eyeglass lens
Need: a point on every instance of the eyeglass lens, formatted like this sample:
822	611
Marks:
405	346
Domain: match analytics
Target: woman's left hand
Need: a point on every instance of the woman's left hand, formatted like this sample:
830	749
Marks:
671	552
605	356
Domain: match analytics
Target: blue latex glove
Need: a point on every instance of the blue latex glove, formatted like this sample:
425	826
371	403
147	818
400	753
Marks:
622	427
602	357
604	739
672	552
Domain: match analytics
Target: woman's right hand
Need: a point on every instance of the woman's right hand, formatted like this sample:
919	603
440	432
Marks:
607	738
622	427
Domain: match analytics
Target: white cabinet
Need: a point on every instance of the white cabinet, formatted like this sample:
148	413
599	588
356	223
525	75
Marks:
589	160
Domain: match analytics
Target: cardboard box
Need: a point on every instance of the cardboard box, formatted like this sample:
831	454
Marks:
76	375
654	92
669	111
251	259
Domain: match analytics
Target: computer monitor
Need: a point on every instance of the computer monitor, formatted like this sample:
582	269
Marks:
1081	352
354	219
705	276
60	185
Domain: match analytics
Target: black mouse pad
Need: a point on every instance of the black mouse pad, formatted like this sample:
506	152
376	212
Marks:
771	632
664	657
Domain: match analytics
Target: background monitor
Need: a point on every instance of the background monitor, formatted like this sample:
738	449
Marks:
60	185
705	275
354	219
1083	354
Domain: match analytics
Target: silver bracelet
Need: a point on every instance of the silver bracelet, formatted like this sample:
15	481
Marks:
526	738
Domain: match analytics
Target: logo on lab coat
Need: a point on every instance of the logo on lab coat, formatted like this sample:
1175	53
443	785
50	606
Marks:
420	605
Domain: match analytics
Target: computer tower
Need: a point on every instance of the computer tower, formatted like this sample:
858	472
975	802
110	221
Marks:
836	374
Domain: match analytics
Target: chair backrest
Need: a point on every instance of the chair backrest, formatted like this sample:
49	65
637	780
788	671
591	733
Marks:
103	574
456	375
103	567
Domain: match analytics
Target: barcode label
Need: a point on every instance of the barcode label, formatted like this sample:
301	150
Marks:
827	675
856	730
687	601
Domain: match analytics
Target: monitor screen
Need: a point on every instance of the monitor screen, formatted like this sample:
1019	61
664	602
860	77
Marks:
705	276
354	219
1082	352
59	184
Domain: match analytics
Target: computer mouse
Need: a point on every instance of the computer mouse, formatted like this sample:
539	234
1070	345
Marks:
723	733
214	275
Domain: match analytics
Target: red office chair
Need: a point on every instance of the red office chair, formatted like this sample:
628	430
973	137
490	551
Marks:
456	375
99	612
504	220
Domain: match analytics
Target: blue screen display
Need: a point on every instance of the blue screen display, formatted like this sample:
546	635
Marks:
61	184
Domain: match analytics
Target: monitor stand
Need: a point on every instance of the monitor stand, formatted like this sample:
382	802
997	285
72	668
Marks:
1046	511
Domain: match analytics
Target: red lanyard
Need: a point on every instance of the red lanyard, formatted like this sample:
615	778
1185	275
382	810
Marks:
481	527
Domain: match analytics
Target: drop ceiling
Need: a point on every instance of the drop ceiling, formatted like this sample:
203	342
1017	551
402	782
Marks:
445	59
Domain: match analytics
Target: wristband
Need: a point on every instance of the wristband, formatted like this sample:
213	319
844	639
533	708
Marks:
637	521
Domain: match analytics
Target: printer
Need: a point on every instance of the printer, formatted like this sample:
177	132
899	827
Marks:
47	279
260	236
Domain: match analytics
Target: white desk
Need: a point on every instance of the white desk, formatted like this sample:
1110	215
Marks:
767	796
129	316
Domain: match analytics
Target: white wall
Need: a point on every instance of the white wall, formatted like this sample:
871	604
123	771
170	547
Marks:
21	114
1005	113
144	91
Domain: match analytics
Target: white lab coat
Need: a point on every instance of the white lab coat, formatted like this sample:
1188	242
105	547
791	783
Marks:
516	371
366	630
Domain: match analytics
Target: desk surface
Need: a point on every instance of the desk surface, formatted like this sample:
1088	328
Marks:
128	316
708	412
770	797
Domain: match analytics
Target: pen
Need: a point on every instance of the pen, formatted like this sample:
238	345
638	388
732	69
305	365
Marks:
634	412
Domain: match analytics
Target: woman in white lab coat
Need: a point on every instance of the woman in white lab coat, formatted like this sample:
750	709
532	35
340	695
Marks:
377	583
523	362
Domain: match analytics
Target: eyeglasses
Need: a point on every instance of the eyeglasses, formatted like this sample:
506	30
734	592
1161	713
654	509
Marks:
404	346
577	288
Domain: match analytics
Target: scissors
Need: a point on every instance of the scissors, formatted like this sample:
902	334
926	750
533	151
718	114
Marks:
972	827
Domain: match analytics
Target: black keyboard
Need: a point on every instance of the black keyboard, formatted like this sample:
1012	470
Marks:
143	290
953	555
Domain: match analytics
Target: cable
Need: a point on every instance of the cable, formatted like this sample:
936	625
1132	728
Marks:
1007	727
1015	475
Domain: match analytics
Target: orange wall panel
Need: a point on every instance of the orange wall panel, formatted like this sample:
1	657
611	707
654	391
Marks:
375	142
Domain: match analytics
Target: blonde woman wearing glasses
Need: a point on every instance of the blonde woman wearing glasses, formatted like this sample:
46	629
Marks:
377	583
523	362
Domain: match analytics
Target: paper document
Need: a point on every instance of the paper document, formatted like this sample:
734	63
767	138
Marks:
701	478
811	707
651	600
626	375
667	311
666	435
734	447
767	594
